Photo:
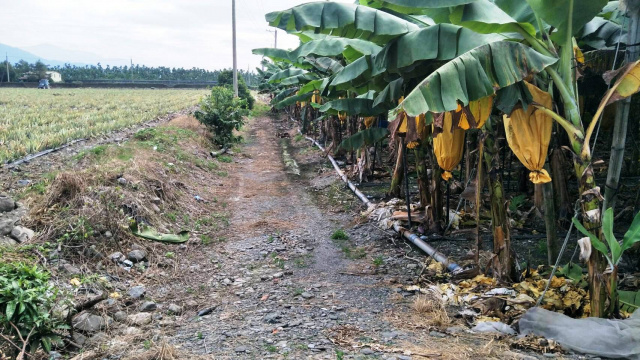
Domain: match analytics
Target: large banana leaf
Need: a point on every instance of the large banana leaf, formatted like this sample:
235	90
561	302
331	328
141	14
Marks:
311	85
485	17
340	19
438	42
474	75
518	10
325	65
356	74
412	6
283	95
612	12
566	16
350	49
365	137
629	300
299	79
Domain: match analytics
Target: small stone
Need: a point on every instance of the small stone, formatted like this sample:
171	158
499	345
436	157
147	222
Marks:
156	201
148	306
137	292
175	309
367	351
70	269
404	357
155	208
116	257
6	204
241	349
122	181
23	183
307	295
120	316
437	334
412	266
127	263
132	331
79	339
278	275
108	234
54	355
98	339
89	322
22	234
272	318
6	241
137	255
140	319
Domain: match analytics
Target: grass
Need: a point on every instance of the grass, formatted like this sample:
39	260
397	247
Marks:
339	235
32	120
378	261
225	158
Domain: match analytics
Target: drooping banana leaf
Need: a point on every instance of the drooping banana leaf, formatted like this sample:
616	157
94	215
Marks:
340	19
361	107
350	49
512	95
365	137
518	10
293	99
412	6
566	16
310	86
629	300
324	64
150	233
285	74
370	95
299	79
353	75
612	12
472	76
600	33
485	17
391	93
283	95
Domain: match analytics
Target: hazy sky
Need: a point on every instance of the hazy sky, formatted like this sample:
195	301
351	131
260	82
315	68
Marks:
180	33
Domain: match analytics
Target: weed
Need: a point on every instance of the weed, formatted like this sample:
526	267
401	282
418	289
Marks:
301	262
98	150
172	216
297	292
270	239
353	253
271	348
339	354
147	344
339	235
378	261
205	240
298	138
222	173
170	255
146	134
516	202
199	335
277	261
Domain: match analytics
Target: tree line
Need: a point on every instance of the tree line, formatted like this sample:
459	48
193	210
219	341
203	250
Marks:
36	71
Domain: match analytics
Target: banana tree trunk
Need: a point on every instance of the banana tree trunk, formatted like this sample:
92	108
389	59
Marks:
504	267
435	187
398	173
622	118
562	203
549	213
423	179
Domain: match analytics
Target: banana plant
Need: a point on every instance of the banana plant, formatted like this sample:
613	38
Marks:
612	250
540	45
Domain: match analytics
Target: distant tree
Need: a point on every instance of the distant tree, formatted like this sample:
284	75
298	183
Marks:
40	69
225	78
3	72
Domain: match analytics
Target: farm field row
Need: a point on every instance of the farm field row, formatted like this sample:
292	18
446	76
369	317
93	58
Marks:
32	120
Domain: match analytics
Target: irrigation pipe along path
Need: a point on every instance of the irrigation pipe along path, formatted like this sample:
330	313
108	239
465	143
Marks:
413	238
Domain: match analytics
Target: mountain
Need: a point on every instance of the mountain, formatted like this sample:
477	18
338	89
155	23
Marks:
53	56
55	53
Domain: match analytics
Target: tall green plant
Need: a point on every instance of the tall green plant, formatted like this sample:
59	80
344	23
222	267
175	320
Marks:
223	113
26	302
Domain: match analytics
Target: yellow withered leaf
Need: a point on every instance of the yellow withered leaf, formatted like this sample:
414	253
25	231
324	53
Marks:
342	116
369	121
448	146
529	132
75	282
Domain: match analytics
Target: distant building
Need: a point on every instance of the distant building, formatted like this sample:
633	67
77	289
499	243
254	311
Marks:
54	76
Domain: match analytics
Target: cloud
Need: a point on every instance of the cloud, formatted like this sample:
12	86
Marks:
173	33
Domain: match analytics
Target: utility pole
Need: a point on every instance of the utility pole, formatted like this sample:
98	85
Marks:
275	42
235	58
6	57
131	69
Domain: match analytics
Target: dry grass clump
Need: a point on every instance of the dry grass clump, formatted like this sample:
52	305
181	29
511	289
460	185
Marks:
431	306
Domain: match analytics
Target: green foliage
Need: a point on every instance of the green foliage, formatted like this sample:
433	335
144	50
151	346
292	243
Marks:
378	261
225	78
629	300
571	271
516	202
613	253
222	113
26	301
339	235
225	158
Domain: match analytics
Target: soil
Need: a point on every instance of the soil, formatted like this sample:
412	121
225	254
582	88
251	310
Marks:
276	278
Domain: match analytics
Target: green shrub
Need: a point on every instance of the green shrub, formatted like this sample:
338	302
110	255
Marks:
222	113
339	235
225	78
26	301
